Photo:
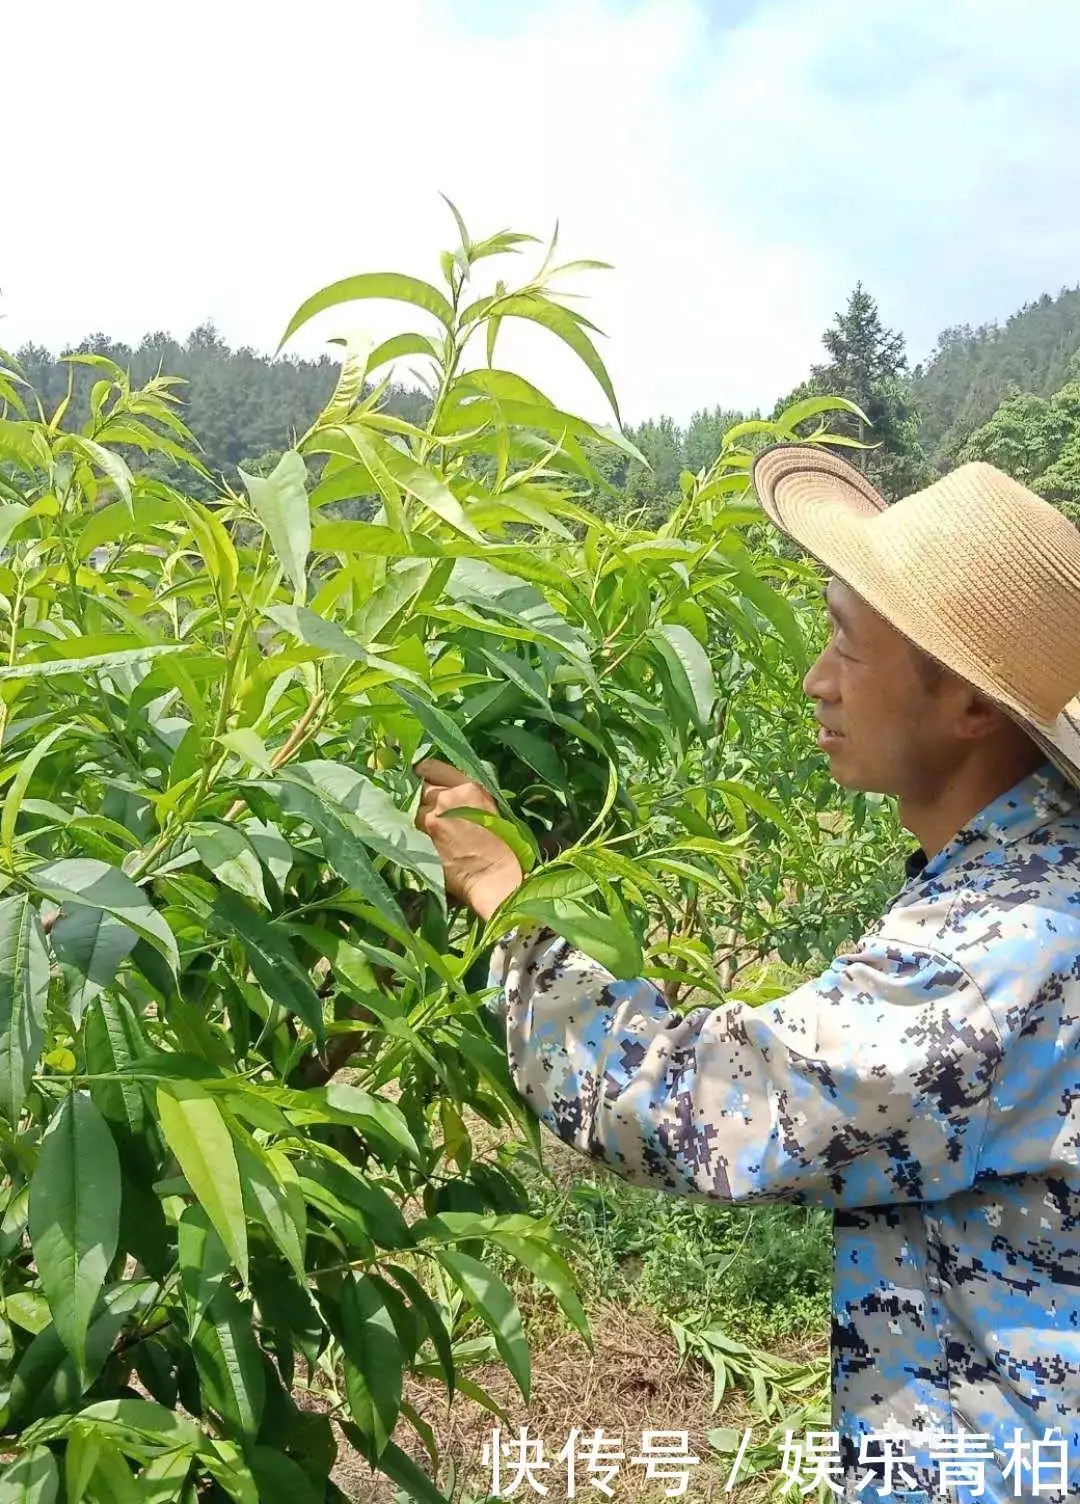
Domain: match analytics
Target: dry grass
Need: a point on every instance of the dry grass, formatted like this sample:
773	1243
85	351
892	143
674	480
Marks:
629	1383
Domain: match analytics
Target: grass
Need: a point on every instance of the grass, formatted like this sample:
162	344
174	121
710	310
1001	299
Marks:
705	1318
764	1273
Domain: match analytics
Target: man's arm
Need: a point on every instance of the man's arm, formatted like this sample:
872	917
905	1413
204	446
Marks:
868	1085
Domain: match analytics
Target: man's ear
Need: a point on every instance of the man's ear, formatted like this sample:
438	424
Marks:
979	717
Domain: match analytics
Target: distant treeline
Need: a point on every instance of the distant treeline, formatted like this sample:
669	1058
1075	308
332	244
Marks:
245	408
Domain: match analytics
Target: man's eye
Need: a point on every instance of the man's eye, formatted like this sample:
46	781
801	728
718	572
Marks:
834	640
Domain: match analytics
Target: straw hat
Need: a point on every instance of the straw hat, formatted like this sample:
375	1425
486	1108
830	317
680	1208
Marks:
976	570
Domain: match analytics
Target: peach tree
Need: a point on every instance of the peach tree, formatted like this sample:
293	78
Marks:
243	1041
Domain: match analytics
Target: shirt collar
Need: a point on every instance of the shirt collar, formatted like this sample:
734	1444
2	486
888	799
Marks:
1042	796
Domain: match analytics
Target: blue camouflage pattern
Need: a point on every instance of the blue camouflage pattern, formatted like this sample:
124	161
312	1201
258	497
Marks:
927	1088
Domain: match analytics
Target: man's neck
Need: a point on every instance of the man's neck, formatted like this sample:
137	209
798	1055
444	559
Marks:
935	819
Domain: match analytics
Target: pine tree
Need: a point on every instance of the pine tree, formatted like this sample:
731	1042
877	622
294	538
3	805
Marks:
868	365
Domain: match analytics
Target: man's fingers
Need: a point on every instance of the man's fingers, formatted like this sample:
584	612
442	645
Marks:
442	774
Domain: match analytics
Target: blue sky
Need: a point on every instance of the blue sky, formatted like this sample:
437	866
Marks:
741	164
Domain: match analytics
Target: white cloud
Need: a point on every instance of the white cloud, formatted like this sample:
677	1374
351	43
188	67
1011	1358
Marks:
224	160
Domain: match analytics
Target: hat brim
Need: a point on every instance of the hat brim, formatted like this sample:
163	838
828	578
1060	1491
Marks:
824	505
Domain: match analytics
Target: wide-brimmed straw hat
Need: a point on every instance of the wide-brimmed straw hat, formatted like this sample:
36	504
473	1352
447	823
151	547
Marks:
976	570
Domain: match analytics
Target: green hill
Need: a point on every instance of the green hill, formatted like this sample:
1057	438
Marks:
244	406
971	370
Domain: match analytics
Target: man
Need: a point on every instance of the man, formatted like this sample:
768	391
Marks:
927	1087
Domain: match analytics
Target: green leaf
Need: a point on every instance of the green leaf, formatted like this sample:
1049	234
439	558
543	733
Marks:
399	1467
563	323
371	1114
270	956
747	429
341	1102
281	504
606	938
134	1424
403	582
248	745
342	845
280	1480
17	792
552	881
340	484
377	820
162	1479
758	802
809	407
374	1360
204	1264
493	1302
537	753
520	672
113	1041
48	668
517	837
48	1379
273	1196
33	1479
552	1270
350	382
91	946
107	461
418	481
80	1460
25	1308
230	856
26	444
778	612
230	1471
466	243
348	1228
74	1220
445	734
360	539
382	1217
372	285
690	670
11	514
725	1438
24	988
328	637
399	345
423	1303
215	546
230	1366
84	880
198	1135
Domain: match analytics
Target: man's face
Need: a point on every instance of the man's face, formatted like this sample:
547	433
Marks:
884	728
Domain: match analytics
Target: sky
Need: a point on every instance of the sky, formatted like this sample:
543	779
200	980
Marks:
741	163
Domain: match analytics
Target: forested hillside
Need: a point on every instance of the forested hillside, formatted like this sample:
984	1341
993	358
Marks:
971	370
246	408
243	407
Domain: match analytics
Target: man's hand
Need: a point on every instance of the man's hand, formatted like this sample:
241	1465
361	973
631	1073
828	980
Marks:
480	869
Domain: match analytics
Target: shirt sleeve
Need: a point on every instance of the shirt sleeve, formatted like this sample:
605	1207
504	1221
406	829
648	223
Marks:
869	1084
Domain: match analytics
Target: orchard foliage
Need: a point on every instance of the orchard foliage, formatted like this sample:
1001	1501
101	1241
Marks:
213	898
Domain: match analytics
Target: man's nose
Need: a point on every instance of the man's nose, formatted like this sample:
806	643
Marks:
818	682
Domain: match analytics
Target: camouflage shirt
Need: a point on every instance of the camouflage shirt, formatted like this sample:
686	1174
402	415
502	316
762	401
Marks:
925	1087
